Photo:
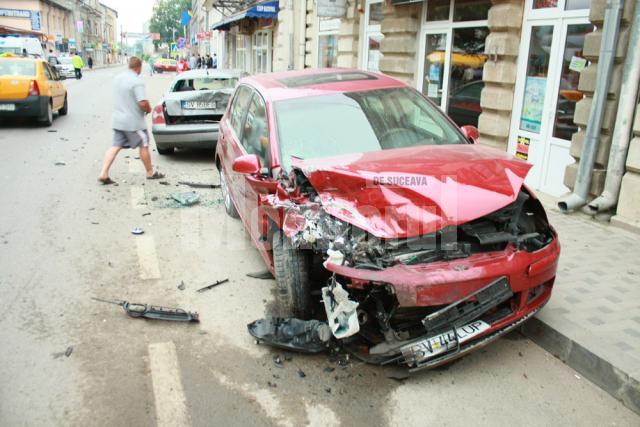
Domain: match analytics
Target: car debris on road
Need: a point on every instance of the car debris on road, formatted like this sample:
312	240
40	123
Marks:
189	198
156	312
198	184
213	285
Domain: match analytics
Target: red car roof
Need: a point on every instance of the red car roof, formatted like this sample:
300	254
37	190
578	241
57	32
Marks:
318	81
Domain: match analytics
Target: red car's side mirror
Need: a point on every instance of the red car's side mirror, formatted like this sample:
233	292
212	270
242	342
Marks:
248	164
471	133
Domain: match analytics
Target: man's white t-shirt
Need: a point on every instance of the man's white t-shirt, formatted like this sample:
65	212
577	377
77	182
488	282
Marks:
128	90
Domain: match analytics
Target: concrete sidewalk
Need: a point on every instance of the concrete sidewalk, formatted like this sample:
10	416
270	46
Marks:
592	321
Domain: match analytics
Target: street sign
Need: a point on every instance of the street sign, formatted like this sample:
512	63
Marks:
181	43
173	47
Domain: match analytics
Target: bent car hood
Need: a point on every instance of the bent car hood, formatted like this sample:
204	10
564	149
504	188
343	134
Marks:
415	191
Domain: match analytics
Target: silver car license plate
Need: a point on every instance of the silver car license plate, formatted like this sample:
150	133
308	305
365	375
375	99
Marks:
428	348
198	105
7	107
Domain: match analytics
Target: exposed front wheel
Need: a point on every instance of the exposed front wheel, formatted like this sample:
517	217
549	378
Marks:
293	286
226	196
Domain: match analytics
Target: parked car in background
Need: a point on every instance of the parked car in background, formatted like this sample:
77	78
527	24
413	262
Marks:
165	65
30	87
64	66
189	113
464	104
422	244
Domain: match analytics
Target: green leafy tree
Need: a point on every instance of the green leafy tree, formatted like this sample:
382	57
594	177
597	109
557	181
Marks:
165	18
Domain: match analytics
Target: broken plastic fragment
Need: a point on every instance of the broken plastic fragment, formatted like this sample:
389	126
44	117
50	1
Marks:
308	336
335	257
341	311
186	199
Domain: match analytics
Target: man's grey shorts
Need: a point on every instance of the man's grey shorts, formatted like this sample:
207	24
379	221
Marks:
130	139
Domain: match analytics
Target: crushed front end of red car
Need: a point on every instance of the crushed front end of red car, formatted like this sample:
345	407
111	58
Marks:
429	251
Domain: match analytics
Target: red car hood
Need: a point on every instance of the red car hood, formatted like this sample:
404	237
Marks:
414	191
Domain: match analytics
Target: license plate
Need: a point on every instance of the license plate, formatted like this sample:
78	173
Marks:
198	105
7	107
431	347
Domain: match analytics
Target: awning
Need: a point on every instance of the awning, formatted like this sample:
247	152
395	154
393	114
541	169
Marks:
262	10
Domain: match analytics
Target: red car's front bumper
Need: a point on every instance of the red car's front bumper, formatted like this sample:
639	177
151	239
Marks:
530	277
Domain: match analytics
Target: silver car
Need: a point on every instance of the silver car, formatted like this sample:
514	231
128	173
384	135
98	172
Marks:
189	113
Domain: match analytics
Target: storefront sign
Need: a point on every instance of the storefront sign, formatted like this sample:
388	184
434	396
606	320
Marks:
577	64
329	25
72	43
522	149
331	8
533	104
80	26
15	13
35	20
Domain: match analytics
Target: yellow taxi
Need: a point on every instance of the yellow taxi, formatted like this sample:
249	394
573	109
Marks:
30	87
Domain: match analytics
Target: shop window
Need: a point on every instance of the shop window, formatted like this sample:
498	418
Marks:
242	52
568	94
544	4
261	51
436	46
536	78
373	36
438	10
471	10
577	4
375	14
465	76
327	51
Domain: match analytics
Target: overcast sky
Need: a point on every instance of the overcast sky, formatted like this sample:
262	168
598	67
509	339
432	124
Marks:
131	13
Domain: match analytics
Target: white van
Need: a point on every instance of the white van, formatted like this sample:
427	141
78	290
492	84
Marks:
15	45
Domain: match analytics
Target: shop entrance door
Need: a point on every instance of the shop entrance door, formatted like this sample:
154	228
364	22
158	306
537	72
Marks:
549	67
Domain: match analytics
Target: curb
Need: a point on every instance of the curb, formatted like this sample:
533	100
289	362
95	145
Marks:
614	381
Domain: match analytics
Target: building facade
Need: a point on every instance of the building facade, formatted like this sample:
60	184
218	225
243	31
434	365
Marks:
64	26
522	71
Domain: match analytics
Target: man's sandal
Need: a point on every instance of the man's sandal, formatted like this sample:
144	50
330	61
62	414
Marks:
156	175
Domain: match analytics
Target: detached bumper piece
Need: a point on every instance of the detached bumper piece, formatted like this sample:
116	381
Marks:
305	336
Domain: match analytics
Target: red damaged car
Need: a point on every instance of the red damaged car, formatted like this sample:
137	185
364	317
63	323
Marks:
386	226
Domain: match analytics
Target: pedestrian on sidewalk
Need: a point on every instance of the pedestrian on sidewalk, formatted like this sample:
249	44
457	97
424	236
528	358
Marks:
90	62
199	62
209	61
78	63
129	127
215	61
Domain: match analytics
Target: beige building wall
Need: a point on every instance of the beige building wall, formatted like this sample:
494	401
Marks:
22	23
587	85
401	29
499	73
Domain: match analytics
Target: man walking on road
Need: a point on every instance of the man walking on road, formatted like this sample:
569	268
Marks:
78	63
129	127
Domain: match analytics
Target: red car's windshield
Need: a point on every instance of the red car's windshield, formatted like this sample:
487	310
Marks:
354	122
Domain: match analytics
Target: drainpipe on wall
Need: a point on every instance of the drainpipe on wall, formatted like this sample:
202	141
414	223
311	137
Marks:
302	34
581	187
624	118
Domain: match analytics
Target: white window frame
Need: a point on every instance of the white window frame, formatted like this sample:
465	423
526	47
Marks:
369	30
333	30
255	47
244	51
440	27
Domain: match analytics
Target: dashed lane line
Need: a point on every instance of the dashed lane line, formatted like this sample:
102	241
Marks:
170	401
147	257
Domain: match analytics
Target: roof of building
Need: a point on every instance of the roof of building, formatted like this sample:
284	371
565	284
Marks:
319	81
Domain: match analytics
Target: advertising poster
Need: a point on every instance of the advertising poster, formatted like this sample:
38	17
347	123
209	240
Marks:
533	104
522	148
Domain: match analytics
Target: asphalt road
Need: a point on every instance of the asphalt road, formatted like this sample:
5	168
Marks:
65	239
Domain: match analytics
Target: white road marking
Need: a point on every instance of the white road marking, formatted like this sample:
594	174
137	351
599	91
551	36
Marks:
265	398
149	266
319	415
137	198
171	404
